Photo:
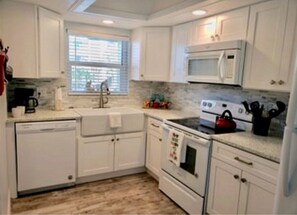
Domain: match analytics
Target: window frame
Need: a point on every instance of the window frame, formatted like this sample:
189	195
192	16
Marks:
94	64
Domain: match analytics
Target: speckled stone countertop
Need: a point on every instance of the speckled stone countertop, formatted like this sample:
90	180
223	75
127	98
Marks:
42	115
45	114
266	147
162	114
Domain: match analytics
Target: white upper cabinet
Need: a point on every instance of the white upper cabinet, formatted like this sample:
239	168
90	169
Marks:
19	33
270	43
227	26
34	36
180	40
150	59
51	60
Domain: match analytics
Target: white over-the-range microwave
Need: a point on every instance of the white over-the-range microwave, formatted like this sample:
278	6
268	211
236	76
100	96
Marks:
220	62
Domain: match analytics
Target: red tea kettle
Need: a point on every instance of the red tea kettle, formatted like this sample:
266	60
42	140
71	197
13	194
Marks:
225	123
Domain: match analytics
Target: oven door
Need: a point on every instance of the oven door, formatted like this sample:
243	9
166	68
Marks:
193	172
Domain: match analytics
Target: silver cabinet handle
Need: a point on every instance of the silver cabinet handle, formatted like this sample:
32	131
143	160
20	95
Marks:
281	82
272	82
243	161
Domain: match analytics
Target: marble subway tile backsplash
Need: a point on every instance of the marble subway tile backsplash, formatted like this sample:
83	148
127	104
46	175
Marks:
185	97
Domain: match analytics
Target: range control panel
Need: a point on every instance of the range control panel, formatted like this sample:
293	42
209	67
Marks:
215	107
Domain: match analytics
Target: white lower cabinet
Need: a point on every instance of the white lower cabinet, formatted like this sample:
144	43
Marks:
129	151
153	146
103	154
236	186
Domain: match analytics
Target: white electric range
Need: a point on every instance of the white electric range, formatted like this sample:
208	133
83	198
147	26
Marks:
186	183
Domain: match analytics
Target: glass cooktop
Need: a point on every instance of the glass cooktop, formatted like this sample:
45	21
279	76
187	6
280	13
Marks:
200	125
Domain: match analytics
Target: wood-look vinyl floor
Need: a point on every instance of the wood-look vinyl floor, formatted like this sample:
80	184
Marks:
134	194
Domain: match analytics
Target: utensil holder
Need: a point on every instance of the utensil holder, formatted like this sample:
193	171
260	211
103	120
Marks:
261	125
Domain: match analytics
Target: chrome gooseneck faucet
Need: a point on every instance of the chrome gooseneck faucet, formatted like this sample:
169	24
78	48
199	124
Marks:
103	89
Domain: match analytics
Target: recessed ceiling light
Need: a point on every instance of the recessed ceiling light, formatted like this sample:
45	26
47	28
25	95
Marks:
199	12
108	22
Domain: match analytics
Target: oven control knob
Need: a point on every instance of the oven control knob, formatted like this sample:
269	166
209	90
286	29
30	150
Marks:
240	110
204	104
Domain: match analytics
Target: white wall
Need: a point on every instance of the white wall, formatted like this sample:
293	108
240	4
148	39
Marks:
4	192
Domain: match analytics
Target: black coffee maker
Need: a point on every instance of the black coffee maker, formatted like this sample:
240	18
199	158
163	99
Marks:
24	97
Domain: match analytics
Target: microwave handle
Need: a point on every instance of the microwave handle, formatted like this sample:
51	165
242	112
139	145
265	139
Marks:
220	66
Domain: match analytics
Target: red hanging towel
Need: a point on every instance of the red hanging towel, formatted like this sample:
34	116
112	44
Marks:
2	60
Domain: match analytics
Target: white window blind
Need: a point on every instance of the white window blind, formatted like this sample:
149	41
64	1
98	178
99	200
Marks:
92	60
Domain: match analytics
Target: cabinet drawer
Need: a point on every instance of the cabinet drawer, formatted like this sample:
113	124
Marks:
155	125
248	162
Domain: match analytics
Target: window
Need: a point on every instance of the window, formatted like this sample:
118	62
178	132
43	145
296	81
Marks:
92	60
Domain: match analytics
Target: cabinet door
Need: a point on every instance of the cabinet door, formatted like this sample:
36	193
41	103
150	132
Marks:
129	151
153	151
232	25
95	155
203	31
224	188
180	40
50	44
265	43
156	54
256	195
19	24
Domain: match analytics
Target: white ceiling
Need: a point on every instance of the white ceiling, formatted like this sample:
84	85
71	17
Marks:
130	14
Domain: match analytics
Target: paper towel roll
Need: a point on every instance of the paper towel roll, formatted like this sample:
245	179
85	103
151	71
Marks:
58	99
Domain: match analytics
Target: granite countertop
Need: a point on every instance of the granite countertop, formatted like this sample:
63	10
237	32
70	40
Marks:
266	147
44	114
163	114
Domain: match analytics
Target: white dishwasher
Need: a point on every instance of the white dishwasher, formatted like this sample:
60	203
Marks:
46	155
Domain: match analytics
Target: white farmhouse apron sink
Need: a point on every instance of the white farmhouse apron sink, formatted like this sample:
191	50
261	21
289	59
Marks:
95	121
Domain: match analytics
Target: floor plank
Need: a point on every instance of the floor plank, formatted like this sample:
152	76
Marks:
135	194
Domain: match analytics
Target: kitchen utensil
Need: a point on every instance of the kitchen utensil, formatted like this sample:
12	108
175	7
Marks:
281	106
255	108
246	106
261	125
273	113
225	123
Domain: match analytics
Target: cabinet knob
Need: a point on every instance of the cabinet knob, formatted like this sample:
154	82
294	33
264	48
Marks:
62	72
236	176
70	177
196	175
142	75
217	36
243	180
281	82
160	140
112	140
212	37
272	82
118	139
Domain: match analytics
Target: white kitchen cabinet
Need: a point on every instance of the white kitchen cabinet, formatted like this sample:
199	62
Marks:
224	188
129	151
150	59
51	43
240	183
153	146
227	26
35	38
180	40
95	155
108	153
270	42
